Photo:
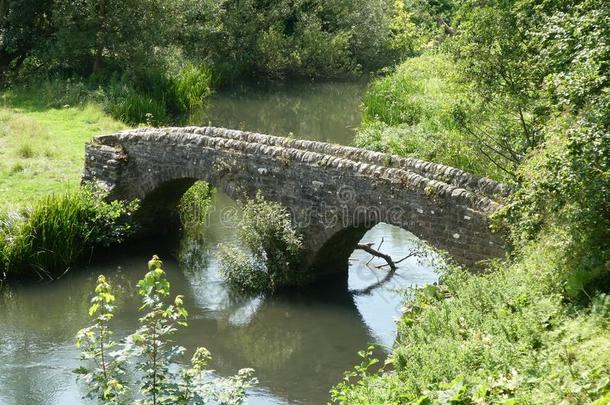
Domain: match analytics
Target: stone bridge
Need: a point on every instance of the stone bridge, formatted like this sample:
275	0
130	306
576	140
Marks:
334	193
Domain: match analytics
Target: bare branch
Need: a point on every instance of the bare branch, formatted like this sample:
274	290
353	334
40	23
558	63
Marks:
376	253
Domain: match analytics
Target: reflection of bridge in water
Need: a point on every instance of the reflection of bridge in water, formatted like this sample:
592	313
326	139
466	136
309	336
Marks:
334	193
298	342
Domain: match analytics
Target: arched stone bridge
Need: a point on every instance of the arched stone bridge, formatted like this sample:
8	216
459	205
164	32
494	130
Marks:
334	193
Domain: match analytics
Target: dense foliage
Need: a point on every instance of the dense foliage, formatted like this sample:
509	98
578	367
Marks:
193	207
299	38
59	229
535	104
152	61
153	40
502	337
517	90
151	350
273	246
415	112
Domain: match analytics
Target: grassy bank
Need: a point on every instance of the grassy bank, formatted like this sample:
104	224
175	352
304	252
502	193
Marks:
42	149
46	221
417	111
511	336
46	238
509	104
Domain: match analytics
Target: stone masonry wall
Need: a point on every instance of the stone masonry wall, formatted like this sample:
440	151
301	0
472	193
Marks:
335	193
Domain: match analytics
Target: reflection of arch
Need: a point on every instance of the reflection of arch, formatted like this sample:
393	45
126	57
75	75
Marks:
280	341
444	206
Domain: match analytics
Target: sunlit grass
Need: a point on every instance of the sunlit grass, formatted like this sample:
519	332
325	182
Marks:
42	149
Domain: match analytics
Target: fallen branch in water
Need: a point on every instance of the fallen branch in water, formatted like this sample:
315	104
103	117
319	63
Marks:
376	253
398	261
389	262
370	250
378	247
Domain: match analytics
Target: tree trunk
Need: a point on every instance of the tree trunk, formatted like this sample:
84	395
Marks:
3	12
6	60
100	38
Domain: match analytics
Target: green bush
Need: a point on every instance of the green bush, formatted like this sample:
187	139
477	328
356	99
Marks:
69	92
151	98
274	248
59	229
193	85
193	207
134	108
535	329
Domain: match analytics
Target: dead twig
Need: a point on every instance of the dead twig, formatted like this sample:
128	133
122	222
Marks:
376	253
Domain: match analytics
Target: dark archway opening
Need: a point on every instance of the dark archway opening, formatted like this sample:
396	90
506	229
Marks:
158	213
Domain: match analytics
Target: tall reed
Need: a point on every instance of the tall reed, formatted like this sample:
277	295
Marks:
47	238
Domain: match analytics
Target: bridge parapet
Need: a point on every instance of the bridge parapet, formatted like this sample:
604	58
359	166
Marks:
436	171
335	193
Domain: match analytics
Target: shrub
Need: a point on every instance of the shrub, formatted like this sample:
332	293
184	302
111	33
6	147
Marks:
151	97
135	108
274	246
70	92
59	229
158	379
507	335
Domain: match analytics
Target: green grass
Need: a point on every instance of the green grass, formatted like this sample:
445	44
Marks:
53	233
42	149
415	112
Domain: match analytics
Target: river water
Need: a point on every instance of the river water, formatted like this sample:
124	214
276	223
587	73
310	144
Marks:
299	342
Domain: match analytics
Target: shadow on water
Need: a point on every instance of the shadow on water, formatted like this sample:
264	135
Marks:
299	342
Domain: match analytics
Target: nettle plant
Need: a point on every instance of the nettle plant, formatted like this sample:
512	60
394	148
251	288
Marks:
142	369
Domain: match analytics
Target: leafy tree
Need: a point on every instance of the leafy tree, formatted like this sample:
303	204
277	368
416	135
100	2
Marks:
564	185
24	26
310	38
93	33
105	380
496	52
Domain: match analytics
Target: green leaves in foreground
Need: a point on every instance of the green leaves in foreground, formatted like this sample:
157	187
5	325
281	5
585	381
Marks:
150	353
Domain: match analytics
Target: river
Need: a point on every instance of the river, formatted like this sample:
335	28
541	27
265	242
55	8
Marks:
299	342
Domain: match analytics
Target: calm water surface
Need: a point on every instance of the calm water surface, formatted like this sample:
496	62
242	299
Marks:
328	112
299	343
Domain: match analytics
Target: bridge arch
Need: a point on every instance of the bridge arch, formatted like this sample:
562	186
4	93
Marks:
334	193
